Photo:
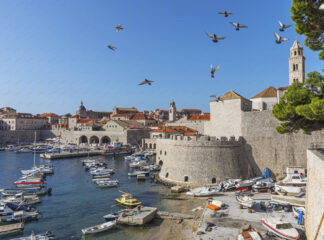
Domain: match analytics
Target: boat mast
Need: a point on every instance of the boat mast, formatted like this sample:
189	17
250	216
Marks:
35	150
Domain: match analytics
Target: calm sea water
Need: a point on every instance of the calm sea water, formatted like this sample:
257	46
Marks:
75	202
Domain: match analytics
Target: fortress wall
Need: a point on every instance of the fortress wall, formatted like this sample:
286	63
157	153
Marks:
200	160
198	125
267	148
21	136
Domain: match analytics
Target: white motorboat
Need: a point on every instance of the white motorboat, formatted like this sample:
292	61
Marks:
24	150
289	200
229	184
99	228
280	228
289	190
203	192
47	236
245	201
135	173
4	210
107	184
295	179
263	186
138	164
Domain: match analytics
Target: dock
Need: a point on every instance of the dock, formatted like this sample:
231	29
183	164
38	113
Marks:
170	215
11	228
113	152
134	217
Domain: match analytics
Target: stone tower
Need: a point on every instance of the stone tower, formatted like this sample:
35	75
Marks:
296	64
172	111
82	111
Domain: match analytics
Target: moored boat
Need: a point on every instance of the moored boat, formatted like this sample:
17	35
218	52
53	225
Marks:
127	199
248	233
245	201
47	236
287	200
280	228
203	192
99	228
20	216
11	229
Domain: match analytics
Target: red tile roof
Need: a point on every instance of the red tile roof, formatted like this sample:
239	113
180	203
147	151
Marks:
190	110
48	115
199	117
87	120
269	92
176	129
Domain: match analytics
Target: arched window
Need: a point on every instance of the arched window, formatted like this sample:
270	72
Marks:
299	52
296	67
160	152
295	53
213	180
164	152
186	178
167	175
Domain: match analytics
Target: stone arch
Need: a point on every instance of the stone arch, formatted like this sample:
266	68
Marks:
150	145
93	140
83	139
105	140
160	163
146	146
154	145
213	180
186	178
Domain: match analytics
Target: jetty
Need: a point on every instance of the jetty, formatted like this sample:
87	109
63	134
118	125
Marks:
11	228
138	217
114	152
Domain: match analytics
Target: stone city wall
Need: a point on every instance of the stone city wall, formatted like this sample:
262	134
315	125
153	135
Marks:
315	193
19	136
267	148
203	161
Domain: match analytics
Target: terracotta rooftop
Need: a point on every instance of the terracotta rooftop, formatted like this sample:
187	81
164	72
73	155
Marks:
131	124
229	96
199	117
48	115
267	93
176	129
283	88
190	110
87	120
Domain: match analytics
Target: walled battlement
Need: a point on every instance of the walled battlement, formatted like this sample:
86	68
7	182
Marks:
203	140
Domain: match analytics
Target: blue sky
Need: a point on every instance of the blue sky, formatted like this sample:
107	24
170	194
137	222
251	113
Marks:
54	52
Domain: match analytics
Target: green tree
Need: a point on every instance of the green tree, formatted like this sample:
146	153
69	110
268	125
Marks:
68	115
309	21
302	106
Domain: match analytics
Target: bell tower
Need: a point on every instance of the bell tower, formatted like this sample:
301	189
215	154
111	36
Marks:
172	112
296	64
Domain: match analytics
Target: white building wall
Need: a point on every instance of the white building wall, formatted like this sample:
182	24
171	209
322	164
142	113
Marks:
264	103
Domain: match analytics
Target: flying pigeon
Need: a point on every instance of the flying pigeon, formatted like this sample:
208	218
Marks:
112	47
214	37
146	81
225	13
213	96
313	88
213	70
283	26
217	99
119	27
238	26
280	39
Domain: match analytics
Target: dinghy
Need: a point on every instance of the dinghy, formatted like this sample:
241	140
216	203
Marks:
47	236
280	228
20	216
99	228
245	201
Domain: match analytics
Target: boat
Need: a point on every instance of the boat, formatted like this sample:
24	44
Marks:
112	216
99	228
107	184
11	229
20	216
135	173
25	191
248	233
248	182
101	176
229	184
16	207
5	210
263	186
26	184
296	210
127	199
22	200
100	179
245	201
47	236
203	192
280	228
288	190
138	164
141	177
24	150
289	200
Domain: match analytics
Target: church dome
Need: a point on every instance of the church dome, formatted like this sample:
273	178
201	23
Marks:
82	107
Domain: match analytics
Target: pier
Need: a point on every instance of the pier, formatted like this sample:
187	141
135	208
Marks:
141	217
53	156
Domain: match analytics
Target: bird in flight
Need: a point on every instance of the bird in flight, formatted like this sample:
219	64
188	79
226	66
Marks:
238	26
214	37
225	13
146	81
213	70
216	98
280	39
283	26
119	27
112	47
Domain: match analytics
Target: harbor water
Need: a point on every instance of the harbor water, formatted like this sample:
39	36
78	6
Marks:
75	202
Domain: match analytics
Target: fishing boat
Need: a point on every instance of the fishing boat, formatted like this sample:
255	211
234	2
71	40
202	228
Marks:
137	164
289	200
26	191
11	229
135	173
245	201
99	228
203	192
229	184
100	179
248	182
248	233
287	190
24	150
107	184
20	216
16	207
5	210
47	236
26	184
280	228
22	200
127	199
101	176
263	186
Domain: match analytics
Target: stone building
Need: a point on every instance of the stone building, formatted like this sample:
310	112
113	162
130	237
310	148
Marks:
265	100
119	110
172	112
22	121
6	110
82	112
52	118
195	121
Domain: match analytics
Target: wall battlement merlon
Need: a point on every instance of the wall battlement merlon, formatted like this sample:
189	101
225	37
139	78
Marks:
203	140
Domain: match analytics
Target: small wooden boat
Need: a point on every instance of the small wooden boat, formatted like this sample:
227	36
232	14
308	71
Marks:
101	179
285	200
99	228
107	184
280	228
11	229
128	200
248	233
245	201
20	216
203	192
47	236
288	190
262	186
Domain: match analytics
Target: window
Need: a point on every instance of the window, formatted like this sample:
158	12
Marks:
295	53
161	152
214	180
296	67
167	175
186	178
164	152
